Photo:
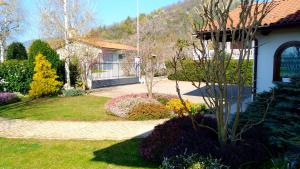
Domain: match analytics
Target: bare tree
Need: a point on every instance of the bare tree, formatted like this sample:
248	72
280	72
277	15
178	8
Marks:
213	22
65	19
151	58
10	21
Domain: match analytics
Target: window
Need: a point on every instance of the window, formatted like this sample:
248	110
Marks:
287	61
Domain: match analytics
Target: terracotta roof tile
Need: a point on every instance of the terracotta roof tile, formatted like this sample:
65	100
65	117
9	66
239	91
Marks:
284	12
103	44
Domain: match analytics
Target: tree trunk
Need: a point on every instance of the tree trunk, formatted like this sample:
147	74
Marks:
1	51
67	58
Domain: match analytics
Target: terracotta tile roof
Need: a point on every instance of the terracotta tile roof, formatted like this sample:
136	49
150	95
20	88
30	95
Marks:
58	43
103	44
284	12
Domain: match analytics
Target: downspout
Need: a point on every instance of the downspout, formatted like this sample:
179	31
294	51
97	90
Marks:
255	68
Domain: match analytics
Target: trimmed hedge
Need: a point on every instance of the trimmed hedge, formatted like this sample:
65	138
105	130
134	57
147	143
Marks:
15	76
189	71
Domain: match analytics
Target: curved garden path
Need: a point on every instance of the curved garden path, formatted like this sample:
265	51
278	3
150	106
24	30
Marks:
65	130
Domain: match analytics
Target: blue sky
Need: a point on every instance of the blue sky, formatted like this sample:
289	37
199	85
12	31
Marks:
106	12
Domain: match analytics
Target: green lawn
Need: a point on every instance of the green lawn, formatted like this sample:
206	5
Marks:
46	154
81	108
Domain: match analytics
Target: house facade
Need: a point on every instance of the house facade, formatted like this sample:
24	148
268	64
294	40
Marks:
276	49
106	63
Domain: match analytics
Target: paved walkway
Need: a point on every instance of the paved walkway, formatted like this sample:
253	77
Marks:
162	86
106	130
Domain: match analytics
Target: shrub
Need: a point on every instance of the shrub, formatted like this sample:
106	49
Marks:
177	106
15	76
8	98
198	108
17	51
282	119
44	80
192	161
188	71
41	47
73	92
166	135
178	136
149	111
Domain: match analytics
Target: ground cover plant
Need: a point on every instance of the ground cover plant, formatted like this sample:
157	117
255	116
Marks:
123	105
81	108
149	111
8	98
45	154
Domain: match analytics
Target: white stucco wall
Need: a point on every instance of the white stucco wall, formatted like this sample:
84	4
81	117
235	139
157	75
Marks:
267	46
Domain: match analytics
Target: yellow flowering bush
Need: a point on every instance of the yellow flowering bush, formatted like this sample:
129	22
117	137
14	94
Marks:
44	79
177	106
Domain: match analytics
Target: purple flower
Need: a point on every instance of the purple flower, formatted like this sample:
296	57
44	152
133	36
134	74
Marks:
6	98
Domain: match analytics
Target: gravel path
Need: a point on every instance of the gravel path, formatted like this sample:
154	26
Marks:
106	130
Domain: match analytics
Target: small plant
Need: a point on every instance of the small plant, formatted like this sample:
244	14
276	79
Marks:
177	106
192	161
149	111
44	80
8	98
198	108
73	92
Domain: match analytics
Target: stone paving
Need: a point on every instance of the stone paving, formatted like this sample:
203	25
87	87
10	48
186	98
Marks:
65	130
162	86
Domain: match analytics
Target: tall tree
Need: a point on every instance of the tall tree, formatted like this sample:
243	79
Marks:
65	19
10	21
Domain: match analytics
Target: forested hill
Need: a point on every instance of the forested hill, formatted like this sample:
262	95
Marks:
173	20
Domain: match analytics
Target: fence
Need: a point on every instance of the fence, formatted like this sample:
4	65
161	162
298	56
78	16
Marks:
113	70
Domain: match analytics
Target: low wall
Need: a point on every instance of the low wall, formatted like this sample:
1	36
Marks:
113	82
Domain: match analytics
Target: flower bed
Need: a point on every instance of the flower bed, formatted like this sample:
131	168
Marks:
7	98
121	106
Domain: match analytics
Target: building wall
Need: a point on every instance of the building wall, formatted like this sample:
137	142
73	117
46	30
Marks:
267	46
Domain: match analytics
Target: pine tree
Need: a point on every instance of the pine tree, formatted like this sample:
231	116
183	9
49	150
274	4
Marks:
283	115
44	79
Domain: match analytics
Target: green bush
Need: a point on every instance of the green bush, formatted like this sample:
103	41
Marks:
73	92
149	111
17	51
15	76
189	71
192	161
41	47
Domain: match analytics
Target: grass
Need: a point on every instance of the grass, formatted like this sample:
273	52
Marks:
81	108
49	154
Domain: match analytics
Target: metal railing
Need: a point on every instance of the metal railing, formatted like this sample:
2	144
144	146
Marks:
114	70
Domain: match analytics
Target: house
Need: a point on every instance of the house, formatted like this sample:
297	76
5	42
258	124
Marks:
107	63
277	44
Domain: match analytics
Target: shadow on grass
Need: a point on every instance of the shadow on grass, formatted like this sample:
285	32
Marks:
125	153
